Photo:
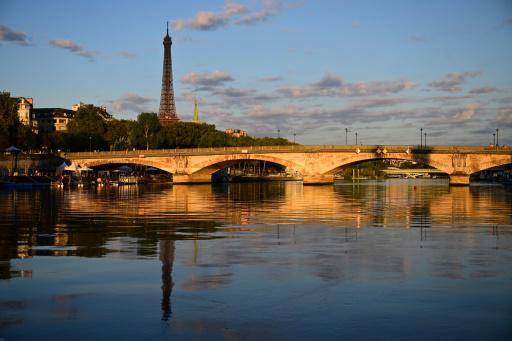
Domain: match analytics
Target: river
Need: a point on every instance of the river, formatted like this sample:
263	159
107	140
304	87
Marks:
391	259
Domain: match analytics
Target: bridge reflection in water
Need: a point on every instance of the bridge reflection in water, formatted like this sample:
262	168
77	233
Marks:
190	251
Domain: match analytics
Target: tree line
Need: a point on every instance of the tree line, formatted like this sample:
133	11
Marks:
91	131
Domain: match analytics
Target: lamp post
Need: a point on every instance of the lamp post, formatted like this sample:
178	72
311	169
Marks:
425	140
294	134
421	137
497	137
346	135
493	139
356	138
278	133
90	144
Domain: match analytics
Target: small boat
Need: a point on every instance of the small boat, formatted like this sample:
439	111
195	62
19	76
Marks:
127	180
24	181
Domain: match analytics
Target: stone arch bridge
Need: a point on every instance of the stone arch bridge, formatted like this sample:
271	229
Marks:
315	164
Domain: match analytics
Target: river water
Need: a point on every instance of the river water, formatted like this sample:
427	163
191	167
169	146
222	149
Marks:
394	259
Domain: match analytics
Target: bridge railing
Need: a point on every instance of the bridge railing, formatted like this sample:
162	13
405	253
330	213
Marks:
290	149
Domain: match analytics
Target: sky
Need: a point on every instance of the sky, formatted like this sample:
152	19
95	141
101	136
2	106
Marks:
383	69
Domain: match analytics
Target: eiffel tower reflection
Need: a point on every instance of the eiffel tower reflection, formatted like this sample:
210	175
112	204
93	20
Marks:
166	248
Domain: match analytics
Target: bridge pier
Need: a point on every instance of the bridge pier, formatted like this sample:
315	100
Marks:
318	179
191	179
459	179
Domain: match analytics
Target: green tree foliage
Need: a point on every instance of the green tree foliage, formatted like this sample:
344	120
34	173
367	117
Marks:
92	129
9	121
12	131
145	131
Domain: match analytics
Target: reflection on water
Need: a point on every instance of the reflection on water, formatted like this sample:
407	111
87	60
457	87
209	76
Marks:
265	260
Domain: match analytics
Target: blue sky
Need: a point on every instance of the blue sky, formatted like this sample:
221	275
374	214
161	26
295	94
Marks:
381	68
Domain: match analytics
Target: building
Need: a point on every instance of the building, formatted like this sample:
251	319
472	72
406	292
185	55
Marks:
167	111
236	132
25	105
46	120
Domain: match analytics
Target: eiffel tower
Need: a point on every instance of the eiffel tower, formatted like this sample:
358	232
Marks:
167	112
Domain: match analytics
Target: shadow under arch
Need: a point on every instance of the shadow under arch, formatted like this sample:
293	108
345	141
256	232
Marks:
418	158
490	165
109	164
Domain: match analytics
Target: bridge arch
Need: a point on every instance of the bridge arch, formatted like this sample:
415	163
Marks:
132	161
214	164
485	165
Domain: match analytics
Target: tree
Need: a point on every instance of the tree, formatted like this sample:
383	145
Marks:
9	120
117	134
146	129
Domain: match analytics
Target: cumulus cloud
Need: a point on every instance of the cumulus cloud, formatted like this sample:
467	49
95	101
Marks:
206	21
232	13
72	47
9	35
482	90
333	85
452	81
270	9
207	79
131	102
460	116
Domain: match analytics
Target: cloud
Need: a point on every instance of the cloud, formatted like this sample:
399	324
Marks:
417	38
131	102
461	116
504	117
207	79
232	12
206	21
271	79
127	55
9	35
452	81
333	85
270	9
329	80
378	102
482	90
356	24
72	47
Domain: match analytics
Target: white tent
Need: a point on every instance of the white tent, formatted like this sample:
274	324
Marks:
73	167
61	168
13	149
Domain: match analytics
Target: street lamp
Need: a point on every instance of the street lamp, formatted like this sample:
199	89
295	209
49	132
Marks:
493	139
294	134
356	138
90	144
346	135
497	137
425	140
278	133
421	137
